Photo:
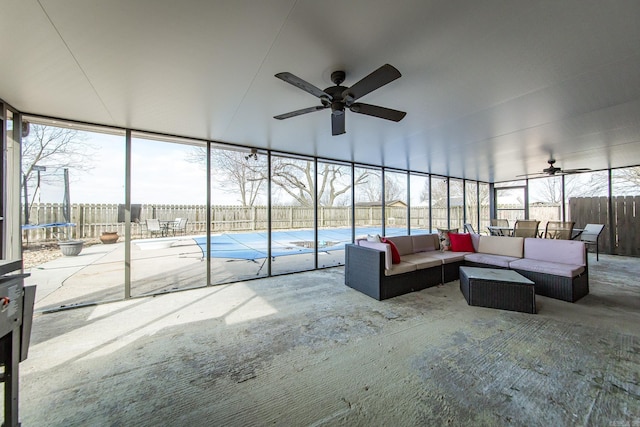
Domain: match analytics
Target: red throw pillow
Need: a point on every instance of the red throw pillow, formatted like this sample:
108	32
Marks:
395	255
461	242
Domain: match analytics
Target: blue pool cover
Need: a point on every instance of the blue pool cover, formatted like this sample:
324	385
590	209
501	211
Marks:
253	246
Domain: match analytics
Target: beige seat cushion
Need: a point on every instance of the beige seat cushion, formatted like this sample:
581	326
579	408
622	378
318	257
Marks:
422	260
554	268
403	267
490	259
447	257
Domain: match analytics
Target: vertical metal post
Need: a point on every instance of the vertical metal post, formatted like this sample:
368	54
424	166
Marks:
66	203
408	203
10	344
384	203
353	202
492	201
448	202
526	198
26	199
315	211
464	203
478	205
612	234
564	202
127	216
208	214
430	203
269	213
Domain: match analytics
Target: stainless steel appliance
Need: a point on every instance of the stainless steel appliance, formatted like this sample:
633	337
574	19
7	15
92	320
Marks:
16	315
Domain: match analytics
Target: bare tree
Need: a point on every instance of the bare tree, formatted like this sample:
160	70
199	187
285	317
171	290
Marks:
241	175
395	187
334	182
370	189
296	178
55	149
439	192
546	190
246	175
425	192
549	190
626	181
235	172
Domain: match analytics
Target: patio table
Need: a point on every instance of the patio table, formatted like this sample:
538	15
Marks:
164	226
496	230
497	288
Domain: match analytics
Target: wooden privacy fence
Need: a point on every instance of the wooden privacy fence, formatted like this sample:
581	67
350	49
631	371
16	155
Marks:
620	235
622	225
92	219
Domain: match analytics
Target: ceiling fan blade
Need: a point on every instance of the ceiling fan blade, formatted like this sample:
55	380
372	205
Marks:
376	111
575	170
527	175
299	112
337	124
304	85
380	77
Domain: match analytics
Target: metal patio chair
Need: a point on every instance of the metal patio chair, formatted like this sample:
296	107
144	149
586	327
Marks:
526	228
179	226
499	222
469	229
153	227
590	236
559	230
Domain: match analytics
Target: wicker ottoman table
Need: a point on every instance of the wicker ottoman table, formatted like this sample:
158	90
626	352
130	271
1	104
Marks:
497	288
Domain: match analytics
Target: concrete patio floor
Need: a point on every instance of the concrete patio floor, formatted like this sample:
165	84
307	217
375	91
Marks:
97	274
304	349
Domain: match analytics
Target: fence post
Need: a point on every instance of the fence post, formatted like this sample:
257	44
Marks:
80	227
254	217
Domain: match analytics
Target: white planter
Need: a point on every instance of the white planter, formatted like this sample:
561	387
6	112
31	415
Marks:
71	247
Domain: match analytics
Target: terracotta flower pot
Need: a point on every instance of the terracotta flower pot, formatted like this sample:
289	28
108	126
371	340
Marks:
109	237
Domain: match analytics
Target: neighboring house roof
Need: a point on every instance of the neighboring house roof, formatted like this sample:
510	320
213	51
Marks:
392	203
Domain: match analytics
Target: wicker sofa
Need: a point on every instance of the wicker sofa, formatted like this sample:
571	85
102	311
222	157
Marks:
557	267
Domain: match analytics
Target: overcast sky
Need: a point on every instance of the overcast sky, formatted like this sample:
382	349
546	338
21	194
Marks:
160	174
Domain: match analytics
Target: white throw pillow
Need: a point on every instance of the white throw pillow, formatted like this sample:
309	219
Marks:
373	238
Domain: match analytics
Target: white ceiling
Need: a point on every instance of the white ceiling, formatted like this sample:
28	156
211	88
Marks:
491	88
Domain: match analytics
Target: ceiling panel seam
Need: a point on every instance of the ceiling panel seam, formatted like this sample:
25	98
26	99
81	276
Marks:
77	62
264	58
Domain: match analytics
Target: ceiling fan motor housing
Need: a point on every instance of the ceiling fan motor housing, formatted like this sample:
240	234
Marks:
337	103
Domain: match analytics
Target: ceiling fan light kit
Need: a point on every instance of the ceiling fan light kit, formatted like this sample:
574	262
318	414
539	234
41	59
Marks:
339	97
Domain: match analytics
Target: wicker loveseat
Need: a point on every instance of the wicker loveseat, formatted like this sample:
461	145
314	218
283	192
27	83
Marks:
558	268
369	268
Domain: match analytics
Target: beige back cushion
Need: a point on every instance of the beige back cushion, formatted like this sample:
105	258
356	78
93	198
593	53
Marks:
501	245
403	243
425	242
